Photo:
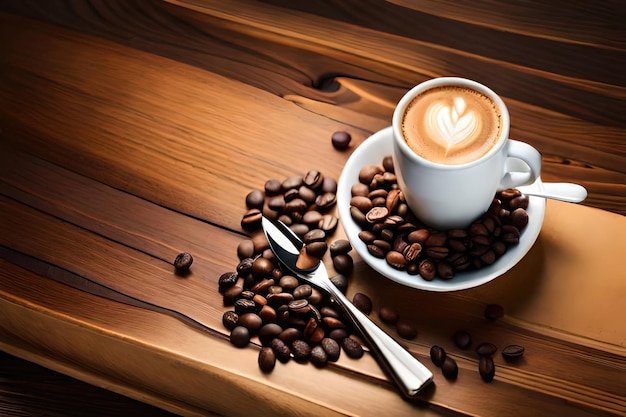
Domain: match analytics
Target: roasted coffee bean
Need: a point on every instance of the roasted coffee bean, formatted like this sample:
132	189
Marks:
300	306
352	348
290	334
340	281
243	305
338	334
262	286
362	302
277	203
273	187
406	330
341	140
519	218
244	267
318	356
449	368
340	247
281	350
267	359
299	229
316	297
358	216
268	314
250	321
255	199
486	368
325	201
302	291
445	270
437	355
317	249
314	235
462	339
520	201
437	252
388	314
297	205
510	234
376	251
291	183
227	280
313	179
396	260
183	262
231	294
275	300
301	350
328	223
512	353
376	214
427	269
418	236
262	267
333	323
509	194
493	311
240	336
362	203
412	252
245	249
312	218
486	349
289	282
344	264
366	174
229	319
332	349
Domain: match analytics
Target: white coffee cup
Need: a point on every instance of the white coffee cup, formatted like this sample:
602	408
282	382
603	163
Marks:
447	196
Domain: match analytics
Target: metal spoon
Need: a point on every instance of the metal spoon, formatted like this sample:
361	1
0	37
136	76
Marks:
562	191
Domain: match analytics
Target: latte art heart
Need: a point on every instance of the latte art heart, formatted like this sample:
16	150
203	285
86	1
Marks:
453	123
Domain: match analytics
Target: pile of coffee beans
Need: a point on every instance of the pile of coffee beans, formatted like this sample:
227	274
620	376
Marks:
302	202
392	232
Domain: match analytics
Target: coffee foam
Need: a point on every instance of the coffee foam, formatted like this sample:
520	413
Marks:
451	125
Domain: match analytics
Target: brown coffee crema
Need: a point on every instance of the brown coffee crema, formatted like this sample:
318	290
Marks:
451	124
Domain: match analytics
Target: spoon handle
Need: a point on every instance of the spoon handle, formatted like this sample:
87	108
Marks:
409	374
562	191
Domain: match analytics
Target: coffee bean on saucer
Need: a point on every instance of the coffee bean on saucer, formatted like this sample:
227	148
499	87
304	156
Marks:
341	140
462	339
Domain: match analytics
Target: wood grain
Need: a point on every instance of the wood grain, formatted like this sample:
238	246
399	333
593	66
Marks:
132	130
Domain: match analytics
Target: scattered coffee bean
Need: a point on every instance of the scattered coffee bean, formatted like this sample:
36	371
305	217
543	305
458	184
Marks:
352	348
462	339
240	336
437	355
362	302
493	311
267	359
250	321
341	140
486	368
340	247
344	264
341	282
406	330
388	315
449	368
183	262
512	353
486	349
227	280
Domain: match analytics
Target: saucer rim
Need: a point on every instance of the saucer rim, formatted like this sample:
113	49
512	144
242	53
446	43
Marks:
380	144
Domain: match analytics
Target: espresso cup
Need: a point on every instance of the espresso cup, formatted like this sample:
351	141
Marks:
452	151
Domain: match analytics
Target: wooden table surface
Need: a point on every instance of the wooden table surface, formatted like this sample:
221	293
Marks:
133	130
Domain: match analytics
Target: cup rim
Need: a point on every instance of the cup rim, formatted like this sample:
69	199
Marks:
448	81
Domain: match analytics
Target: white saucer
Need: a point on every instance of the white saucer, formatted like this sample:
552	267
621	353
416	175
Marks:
372	151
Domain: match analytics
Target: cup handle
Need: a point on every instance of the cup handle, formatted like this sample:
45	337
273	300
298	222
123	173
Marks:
515	176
